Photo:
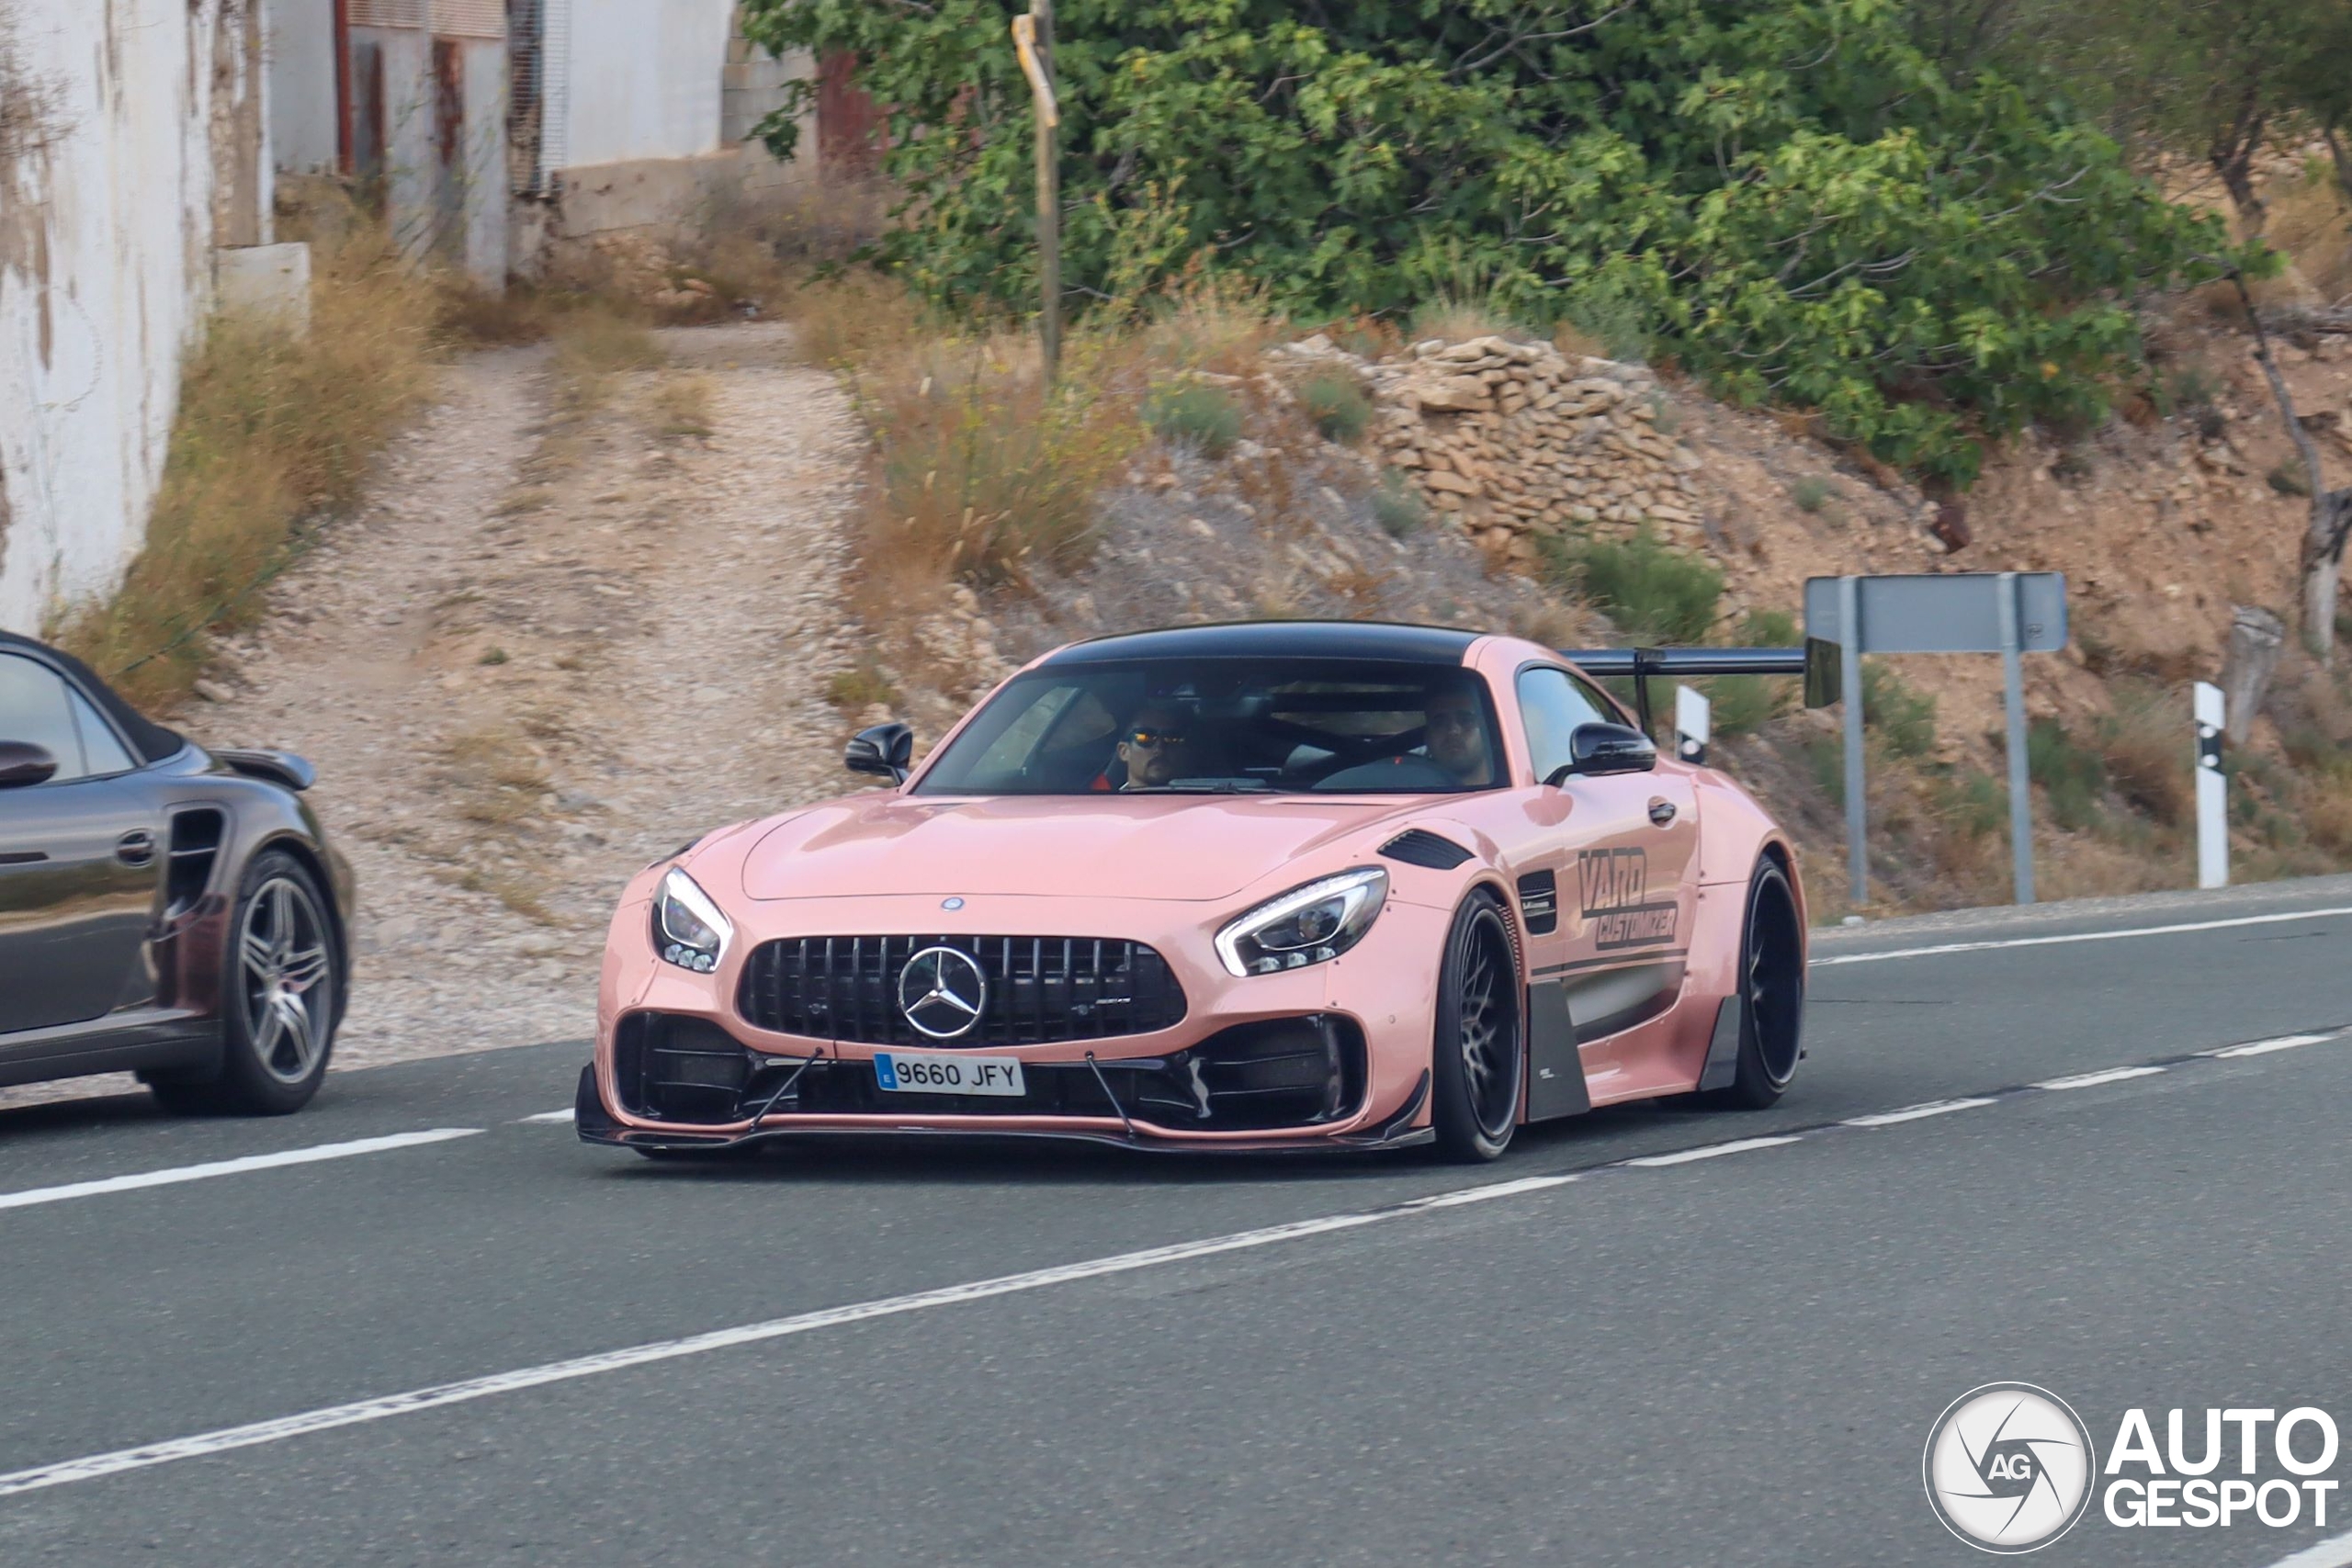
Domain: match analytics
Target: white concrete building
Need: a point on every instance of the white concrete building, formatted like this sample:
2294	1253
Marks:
497	129
133	142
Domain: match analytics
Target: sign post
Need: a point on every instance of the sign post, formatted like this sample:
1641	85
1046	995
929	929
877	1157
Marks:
2212	788
1032	38
1849	635
2007	612
2020	778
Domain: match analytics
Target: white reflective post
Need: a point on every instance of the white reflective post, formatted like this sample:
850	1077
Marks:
1690	720
2212	789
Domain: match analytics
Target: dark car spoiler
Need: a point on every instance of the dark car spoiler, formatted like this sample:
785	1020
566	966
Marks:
264	762
1817	662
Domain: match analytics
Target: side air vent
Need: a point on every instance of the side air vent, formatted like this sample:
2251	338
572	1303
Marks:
1421	847
196	844
1539	902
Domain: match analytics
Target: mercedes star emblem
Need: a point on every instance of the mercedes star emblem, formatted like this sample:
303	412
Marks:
942	992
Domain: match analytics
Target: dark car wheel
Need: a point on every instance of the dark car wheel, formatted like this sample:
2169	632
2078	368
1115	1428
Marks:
1477	1061
1772	994
279	998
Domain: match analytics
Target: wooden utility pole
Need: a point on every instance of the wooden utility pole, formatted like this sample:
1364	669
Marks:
1032	35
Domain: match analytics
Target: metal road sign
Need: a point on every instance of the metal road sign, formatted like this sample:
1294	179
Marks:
1942	613
2007	612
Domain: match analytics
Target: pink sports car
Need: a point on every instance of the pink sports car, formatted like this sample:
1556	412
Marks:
1278	885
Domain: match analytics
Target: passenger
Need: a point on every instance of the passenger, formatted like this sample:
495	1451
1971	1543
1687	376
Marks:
1151	749
1457	737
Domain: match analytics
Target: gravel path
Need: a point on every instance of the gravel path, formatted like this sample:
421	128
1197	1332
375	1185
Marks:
567	632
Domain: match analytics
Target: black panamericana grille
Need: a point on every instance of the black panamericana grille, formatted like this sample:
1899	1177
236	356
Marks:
1040	988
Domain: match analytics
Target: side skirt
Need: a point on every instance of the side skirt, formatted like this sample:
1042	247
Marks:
1555	1085
1722	1047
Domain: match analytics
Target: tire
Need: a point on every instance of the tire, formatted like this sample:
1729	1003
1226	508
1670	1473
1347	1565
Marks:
1772	994
279	994
1478	1058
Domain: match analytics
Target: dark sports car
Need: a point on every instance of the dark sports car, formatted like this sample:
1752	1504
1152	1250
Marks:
164	909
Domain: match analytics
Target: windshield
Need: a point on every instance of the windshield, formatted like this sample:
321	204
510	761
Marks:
1227	726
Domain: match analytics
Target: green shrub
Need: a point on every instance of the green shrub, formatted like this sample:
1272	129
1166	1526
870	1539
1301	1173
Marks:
1811	493
1396	506
1744	704
2190	386
1793	201
2287	477
1194	414
1652	593
2072	776
1826	758
1904	720
1974	803
1335	401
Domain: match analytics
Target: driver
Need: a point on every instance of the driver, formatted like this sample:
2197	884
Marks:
1152	749
1456	729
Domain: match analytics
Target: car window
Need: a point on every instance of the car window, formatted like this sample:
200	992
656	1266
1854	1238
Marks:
102	754
35	705
1552	702
1225	725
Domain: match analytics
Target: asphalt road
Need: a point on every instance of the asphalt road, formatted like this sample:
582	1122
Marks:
1728	1358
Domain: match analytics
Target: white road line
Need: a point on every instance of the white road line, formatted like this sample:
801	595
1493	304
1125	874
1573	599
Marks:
95	1466
2264	1047
2334	1554
1836	959
1685	1156
562	1115
1914	1113
230	1166
2092	1080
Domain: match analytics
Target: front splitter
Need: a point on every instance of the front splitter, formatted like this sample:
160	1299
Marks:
596	1126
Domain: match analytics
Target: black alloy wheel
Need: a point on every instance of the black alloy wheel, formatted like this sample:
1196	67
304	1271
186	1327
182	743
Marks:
280	999
1478	1062
1771	993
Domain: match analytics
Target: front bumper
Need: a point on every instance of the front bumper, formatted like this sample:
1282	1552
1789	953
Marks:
1134	1089
596	1124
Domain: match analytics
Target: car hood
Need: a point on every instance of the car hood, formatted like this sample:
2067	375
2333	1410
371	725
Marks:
1172	847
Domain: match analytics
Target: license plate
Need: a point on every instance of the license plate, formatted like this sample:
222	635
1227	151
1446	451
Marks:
922	1072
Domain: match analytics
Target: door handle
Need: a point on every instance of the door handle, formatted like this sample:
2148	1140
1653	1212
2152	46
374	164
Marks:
135	849
1661	813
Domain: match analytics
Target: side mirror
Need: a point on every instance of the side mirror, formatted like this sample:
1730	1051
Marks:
22	763
1597	749
888	750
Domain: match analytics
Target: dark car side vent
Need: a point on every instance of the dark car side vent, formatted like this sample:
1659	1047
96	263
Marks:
1421	847
196	844
1539	902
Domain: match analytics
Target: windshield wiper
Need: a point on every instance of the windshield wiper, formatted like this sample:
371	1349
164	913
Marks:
1204	786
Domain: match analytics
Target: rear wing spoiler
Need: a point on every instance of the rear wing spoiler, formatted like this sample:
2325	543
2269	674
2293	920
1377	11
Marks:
1819	663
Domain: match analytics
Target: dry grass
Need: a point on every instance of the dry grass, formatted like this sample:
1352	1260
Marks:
681	406
494	780
2310	222
274	433
858	320
2144	744
1455	317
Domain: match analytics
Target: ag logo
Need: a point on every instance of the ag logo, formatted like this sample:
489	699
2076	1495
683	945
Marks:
2008	1467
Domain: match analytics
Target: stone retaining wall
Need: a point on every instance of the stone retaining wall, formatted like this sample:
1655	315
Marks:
1515	440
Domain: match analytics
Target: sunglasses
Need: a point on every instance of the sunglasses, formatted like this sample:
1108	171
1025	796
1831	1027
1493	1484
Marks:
1156	737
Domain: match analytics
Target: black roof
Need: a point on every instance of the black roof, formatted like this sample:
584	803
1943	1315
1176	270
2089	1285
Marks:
152	741
1279	639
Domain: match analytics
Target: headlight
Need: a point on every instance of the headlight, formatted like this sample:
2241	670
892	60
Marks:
688	930
1307	925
